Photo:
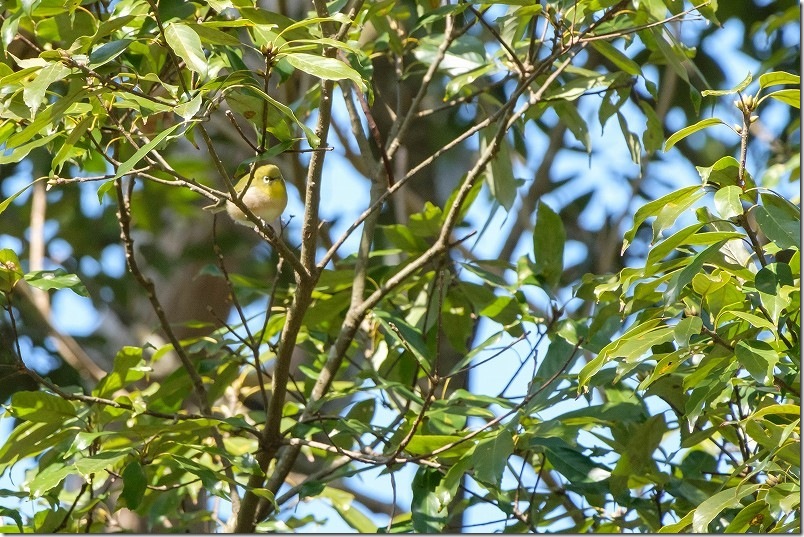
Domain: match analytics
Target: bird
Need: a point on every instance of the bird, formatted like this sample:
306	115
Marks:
265	195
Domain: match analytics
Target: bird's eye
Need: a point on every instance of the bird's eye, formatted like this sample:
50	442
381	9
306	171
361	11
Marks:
266	179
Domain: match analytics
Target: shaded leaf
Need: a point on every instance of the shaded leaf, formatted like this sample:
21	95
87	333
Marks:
549	237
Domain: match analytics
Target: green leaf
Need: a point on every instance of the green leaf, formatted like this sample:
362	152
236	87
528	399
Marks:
13	514
712	507
324	68
56	279
667	207
34	93
745	518
631	140
616	57
686	131
727	201
134	484
10	269
491	456
758	358
48	478
213	36
791	97
406	335
41	407
567	460
76	133
778	226
569	91
753	320
187	46
343	503
500	175
549	237
778	78
559	356
654	130
572	119
428	514
107	52
49	115
103	461
680	279
128	368
738	88
685	329
135	159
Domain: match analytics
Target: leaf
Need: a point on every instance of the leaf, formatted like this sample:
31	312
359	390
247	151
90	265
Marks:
103	461
779	227
559	355
680	279
214	36
778	78
76	132
187	46
41	407
567	460
758	358
631	140
427	512
686	131
107	52
727	201
491	456
324	68
685	329
712	507
549	237
48	478
745	518
34	92
576	87
127	369
129	164
13	514
500	175
615	56
736	89
56	279
343	503
667	207
134	484
791	97
49	115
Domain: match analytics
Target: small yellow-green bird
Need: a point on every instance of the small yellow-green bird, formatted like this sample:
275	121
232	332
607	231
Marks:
266	196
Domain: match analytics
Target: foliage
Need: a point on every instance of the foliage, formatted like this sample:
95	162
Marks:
714	332
234	379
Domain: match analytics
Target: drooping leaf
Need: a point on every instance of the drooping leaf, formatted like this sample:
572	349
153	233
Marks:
549	237
491	455
134	484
